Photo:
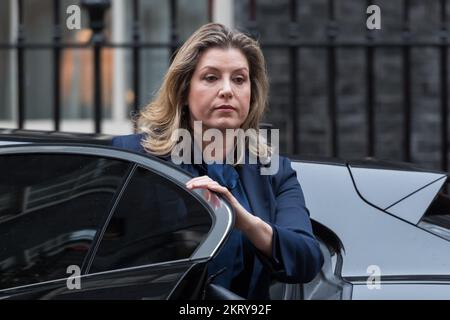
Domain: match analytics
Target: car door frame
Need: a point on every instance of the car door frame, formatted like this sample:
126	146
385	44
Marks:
222	215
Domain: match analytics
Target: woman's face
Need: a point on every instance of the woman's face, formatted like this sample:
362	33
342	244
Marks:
219	93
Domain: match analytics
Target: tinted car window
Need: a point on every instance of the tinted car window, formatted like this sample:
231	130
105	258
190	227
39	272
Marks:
437	217
51	207
155	221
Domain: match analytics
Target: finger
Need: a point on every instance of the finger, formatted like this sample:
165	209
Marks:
199	179
209	184
214	186
212	198
199	182
201	185
215	201
206	184
207	194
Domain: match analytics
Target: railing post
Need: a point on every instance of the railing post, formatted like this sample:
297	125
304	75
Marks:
293	53
210	10
444	87
136	61
56	65
332	97
252	19
96	10
173	29
20	68
370	91
406	57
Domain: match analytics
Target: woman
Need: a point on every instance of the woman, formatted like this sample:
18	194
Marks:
218	79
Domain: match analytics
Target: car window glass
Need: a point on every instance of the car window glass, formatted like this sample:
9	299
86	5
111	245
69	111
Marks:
437	217
51	207
155	221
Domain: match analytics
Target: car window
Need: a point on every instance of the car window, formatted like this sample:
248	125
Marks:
437	217
155	221
51	207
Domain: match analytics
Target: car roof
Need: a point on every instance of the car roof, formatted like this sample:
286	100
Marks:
42	136
367	163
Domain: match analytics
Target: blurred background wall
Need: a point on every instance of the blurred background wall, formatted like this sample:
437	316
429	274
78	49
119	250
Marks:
337	88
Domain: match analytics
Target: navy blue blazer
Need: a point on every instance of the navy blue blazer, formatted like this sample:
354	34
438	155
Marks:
278	200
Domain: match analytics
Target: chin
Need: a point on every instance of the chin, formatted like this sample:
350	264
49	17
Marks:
223	124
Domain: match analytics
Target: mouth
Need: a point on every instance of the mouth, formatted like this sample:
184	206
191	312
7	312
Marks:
225	107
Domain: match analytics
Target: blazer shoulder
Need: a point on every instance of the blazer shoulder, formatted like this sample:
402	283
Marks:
129	142
284	166
285	173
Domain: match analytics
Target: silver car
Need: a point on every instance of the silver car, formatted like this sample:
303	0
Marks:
384	230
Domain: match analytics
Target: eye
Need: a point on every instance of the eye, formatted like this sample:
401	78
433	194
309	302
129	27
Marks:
210	78
239	80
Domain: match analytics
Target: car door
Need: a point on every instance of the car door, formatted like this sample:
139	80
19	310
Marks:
81	222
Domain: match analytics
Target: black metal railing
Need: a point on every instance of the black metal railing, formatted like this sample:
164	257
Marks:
294	45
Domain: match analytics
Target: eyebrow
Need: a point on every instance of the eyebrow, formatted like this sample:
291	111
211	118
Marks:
216	69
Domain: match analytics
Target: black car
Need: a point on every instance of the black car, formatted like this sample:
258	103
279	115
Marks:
123	222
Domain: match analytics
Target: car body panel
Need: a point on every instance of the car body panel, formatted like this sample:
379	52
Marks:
383	188
369	235
403	291
413	207
146	282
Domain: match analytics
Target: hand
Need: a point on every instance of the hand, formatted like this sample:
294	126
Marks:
258	231
205	182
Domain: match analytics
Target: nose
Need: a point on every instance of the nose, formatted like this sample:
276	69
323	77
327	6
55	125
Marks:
226	92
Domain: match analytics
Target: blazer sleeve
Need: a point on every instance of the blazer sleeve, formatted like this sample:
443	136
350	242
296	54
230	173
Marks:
131	142
117	142
296	255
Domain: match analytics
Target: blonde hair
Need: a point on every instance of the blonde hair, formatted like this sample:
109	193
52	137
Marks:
160	118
